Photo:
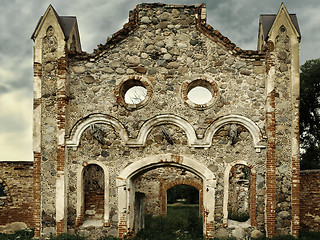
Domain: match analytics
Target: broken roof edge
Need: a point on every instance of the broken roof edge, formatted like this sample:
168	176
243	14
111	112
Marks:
133	24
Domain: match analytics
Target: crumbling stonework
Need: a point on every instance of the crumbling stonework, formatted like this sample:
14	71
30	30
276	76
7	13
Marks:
100	157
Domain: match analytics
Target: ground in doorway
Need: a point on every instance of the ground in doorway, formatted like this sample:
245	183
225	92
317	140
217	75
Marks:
182	222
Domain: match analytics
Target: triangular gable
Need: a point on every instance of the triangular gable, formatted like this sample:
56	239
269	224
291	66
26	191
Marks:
66	23
292	19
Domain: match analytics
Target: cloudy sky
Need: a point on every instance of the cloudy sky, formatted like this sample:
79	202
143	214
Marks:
98	19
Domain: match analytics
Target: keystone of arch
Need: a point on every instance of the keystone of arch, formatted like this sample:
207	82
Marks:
84	123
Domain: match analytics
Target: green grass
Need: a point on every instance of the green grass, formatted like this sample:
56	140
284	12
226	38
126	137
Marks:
157	228
182	222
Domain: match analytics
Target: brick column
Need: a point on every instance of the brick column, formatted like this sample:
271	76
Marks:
37	76
36	193
271	143
253	193
61	202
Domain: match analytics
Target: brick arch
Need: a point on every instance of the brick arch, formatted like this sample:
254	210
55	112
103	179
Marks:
253	191
165	186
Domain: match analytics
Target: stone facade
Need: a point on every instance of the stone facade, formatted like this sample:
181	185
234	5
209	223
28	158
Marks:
97	154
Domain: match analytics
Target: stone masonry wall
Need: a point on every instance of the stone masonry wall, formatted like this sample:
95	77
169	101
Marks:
310	200
17	205
166	51
84	121
283	121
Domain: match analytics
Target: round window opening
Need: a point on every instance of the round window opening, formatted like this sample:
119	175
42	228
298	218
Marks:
199	95
135	95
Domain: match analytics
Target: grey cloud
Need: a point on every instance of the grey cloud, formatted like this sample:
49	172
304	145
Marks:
237	20
4	89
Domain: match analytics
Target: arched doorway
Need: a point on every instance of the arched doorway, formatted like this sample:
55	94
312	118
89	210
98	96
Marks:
127	189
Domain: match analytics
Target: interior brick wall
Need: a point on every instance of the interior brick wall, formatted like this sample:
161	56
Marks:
17	205
310	200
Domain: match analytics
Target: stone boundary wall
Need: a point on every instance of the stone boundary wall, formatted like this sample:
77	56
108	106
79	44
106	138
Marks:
17	205
310	200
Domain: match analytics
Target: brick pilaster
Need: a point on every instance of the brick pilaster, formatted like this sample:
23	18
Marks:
60	120
37	193
271	169
122	229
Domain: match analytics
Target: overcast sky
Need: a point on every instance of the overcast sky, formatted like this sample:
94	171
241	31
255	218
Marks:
97	19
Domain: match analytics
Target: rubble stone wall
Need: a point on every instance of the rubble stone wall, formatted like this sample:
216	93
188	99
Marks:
251	119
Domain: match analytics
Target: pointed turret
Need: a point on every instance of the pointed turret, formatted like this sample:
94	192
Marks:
269	22
65	26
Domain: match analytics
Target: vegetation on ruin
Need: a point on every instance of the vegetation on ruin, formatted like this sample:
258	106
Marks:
182	222
238	216
152	234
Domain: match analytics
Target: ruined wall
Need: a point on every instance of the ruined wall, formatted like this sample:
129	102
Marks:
17	205
166	53
86	122
310	200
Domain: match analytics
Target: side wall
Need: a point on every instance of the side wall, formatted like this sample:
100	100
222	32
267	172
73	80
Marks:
17	205
310	200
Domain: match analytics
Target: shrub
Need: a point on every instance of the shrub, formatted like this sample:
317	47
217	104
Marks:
25	234
109	238
306	235
239	216
66	236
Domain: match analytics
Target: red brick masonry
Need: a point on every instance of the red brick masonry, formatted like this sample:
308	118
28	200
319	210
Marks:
310	200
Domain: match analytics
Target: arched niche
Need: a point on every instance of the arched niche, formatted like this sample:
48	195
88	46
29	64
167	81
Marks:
81	192
83	124
252	210
254	130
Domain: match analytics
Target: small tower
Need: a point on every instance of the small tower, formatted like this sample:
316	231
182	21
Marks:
53	37
279	38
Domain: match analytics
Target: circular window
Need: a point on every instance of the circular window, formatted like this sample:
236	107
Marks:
199	94
133	93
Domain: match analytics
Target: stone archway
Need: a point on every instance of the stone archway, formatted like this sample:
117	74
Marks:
126	189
